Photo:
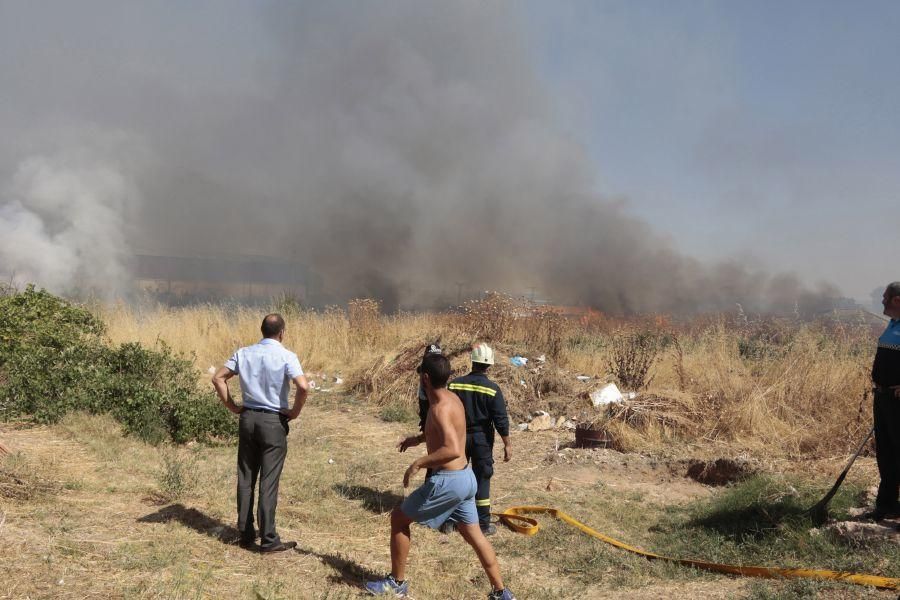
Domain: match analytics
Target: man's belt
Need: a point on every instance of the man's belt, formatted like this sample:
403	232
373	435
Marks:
264	410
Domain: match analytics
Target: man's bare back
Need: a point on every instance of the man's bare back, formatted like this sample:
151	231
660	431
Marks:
445	426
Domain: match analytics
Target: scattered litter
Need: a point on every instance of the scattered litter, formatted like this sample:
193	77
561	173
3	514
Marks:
608	394
312	384
542	358
569	424
541	423
522	383
523	426
582	378
211	370
338	381
330	461
630	395
518	361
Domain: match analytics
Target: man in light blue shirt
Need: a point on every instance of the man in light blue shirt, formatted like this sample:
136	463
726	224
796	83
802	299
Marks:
265	371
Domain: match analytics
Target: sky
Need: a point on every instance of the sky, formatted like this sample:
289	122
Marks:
635	156
764	131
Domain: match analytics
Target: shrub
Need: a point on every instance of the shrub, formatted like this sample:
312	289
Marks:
175	478
397	413
365	322
631	355
53	360
492	318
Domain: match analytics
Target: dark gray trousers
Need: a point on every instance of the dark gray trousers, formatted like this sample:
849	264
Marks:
480	451
262	448
887	448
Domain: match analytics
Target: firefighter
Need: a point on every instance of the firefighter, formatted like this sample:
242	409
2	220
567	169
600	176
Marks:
485	414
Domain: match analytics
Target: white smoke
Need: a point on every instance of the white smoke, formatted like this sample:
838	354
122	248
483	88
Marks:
63	225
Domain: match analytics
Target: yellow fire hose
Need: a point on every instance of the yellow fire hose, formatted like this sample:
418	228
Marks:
512	518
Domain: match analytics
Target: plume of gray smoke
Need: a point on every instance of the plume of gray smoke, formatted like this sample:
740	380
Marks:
396	148
63	225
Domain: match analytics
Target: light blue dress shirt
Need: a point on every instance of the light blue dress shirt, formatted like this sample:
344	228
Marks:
265	371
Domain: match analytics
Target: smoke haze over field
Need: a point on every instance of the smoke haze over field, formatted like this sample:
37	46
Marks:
393	147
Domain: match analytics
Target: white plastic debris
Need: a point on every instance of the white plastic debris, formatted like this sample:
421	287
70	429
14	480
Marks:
211	370
330	461
582	377
541	423
338	381
518	361
523	426
541	358
608	394
630	395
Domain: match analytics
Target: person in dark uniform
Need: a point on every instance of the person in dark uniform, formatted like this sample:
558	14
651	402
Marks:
886	409
485	414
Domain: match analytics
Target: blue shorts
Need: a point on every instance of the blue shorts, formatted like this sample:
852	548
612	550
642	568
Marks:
444	495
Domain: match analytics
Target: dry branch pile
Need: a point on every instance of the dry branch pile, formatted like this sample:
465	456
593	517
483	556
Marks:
543	386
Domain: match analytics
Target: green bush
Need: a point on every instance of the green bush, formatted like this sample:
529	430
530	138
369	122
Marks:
53	360
398	413
176	477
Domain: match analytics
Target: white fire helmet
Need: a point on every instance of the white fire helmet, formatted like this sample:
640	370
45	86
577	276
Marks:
483	354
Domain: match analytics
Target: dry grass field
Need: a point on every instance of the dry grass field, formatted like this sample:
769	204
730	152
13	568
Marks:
775	388
88	512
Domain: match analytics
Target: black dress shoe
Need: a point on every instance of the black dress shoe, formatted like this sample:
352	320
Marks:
247	544
279	547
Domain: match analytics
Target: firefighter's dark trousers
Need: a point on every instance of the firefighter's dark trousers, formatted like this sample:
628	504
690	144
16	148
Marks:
480	451
886	412
262	448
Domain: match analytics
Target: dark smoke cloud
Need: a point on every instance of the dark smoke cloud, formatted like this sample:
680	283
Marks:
396	148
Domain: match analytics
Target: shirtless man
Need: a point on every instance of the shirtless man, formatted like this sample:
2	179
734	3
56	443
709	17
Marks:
448	492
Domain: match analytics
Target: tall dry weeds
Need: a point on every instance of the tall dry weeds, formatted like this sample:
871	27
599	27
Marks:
774	388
